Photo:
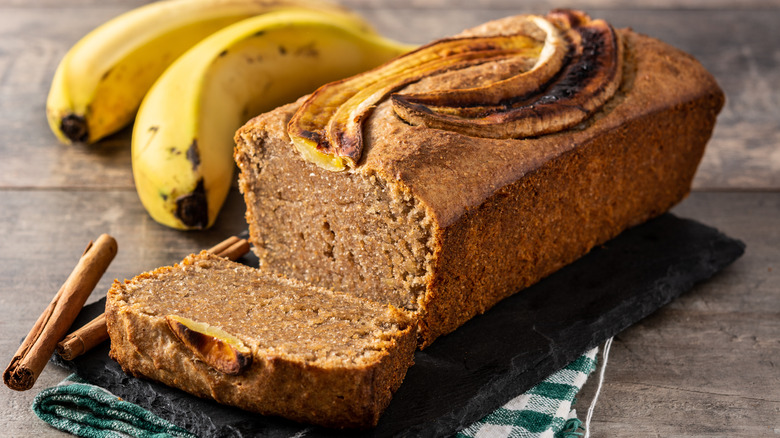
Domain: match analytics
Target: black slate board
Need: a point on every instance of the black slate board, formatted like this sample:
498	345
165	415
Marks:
494	357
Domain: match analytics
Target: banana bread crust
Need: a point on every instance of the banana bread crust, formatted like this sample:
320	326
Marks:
631	162
502	214
351	394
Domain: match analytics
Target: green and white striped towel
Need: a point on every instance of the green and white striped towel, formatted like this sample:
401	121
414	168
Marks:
542	412
86	410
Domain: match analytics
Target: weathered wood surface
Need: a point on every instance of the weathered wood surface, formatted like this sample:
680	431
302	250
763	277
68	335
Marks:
706	365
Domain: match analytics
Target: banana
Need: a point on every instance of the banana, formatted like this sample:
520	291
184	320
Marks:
182	145
102	79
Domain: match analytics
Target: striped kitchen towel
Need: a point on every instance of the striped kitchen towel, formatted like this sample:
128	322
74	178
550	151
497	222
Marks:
542	412
86	410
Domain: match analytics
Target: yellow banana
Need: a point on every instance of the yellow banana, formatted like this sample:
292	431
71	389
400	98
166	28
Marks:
182	146
100	82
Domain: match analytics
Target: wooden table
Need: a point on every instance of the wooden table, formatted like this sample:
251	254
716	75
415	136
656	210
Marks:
708	364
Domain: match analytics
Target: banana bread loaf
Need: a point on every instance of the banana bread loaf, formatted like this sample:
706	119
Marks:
222	330
445	224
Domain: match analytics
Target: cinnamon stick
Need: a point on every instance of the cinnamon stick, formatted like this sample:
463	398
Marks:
235	250
225	244
37	348
84	339
95	332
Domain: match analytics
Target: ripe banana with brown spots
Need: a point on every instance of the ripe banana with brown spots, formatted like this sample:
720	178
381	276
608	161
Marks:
102	79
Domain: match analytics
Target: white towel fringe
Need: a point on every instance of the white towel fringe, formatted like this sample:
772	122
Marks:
604	356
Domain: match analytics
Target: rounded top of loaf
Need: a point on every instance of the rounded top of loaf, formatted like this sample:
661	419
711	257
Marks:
451	173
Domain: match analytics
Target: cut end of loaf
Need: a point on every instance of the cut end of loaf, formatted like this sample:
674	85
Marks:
275	315
368	236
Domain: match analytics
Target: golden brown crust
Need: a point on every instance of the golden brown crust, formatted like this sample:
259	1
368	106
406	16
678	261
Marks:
437	164
346	394
506	213
633	162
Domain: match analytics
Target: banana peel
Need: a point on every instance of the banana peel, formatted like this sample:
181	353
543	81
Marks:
100	82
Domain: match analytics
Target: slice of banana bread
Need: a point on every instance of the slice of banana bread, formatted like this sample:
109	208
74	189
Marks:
445	224
222	330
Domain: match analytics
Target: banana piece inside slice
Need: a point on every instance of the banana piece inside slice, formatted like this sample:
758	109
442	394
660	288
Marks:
214	346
